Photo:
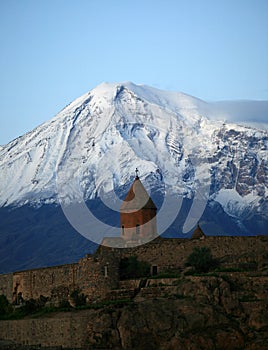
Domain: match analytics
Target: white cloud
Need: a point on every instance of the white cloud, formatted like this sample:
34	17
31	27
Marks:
252	113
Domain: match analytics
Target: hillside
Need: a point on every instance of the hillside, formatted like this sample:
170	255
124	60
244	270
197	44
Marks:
225	308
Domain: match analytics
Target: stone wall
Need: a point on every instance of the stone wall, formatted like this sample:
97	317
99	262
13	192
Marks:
93	275
169	254
190	312
68	330
33	283
96	275
6	285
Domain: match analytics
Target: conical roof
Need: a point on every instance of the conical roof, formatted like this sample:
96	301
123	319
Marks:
198	233
137	198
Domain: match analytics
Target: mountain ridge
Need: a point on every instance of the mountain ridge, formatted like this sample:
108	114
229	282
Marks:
89	151
107	97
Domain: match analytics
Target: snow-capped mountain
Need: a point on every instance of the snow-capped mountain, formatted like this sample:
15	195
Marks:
94	145
101	137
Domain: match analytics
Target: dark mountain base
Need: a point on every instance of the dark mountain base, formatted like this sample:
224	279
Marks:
31	238
39	237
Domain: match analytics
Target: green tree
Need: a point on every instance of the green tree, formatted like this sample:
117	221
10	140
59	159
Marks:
131	267
30	306
78	298
201	259
5	307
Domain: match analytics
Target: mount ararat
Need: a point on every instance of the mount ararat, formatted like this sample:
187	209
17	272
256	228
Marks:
89	152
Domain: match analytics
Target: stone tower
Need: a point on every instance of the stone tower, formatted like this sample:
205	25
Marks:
138	214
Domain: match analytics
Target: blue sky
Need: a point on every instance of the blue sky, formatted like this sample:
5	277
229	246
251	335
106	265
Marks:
53	51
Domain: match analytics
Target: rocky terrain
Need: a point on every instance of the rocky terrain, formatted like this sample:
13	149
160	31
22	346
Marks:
227	312
224	309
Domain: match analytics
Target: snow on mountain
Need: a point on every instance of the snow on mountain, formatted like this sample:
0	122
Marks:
96	142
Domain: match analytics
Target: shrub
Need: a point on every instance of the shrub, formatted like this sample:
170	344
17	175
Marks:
30	306
5	307
201	259
64	305
133	268
168	274
229	269
78	298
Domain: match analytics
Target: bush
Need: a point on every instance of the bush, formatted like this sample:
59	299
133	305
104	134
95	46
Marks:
133	268
30	306
201	259
5	307
64	305
168	274
78	298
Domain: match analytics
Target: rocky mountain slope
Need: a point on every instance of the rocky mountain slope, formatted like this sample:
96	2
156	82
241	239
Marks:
89	151
159	132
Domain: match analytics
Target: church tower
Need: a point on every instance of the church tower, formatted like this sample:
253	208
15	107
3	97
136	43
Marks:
138	214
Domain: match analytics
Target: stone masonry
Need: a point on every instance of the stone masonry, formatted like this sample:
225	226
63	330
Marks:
96	275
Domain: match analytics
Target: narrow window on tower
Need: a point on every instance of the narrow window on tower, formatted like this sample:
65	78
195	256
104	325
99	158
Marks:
137	229
105	271
123	230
